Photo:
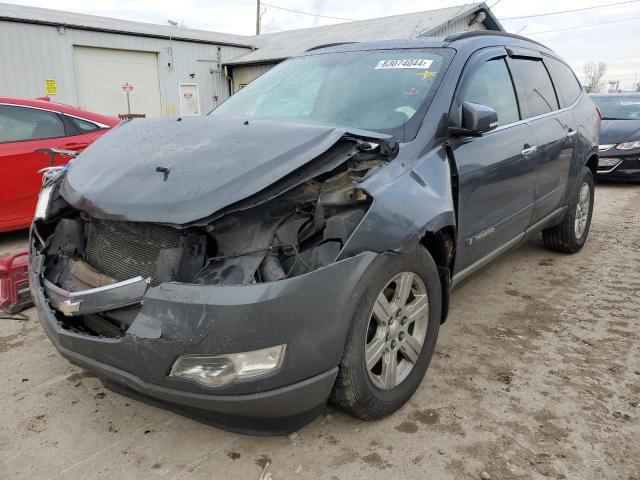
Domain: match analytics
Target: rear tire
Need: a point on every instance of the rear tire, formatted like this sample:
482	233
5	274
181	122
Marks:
392	337
570	235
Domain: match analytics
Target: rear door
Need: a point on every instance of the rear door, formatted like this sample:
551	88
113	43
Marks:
569	93
554	129
23	130
81	133
496	171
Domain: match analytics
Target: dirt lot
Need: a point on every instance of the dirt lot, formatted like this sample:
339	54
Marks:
536	375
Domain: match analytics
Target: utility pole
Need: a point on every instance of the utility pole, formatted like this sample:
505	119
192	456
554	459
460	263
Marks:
257	17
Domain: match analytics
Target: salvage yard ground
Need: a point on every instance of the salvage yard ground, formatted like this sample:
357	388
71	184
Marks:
536	375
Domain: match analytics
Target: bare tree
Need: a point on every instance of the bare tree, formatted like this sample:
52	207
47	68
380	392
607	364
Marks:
594	74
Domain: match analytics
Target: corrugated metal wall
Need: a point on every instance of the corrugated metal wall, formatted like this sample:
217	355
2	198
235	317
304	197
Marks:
29	54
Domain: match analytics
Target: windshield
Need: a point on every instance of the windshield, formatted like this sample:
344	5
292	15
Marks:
619	107
385	91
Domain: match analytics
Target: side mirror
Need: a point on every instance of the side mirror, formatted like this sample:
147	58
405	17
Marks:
476	120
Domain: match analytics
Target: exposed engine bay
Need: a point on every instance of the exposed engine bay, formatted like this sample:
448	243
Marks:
297	225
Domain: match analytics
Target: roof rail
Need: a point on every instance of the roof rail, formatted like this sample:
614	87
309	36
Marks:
488	33
327	45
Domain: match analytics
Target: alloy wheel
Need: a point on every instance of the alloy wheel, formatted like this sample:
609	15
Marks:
396	331
582	210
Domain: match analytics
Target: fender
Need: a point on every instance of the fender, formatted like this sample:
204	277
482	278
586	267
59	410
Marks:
405	207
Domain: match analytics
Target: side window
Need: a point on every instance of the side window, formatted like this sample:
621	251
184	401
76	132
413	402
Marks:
491	86
84	126
535	87
18	124
565	81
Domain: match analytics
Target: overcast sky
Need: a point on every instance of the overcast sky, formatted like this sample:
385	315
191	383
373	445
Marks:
617	44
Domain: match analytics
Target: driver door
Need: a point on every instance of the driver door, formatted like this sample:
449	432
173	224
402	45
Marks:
497	171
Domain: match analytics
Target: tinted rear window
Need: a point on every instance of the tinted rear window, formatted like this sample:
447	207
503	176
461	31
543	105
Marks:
84	126
565	81
535	87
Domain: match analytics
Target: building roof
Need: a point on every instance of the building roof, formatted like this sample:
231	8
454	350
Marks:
45	16
266	48
278	46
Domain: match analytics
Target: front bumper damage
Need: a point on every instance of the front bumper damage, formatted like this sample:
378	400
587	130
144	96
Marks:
99	299
312	312
168	305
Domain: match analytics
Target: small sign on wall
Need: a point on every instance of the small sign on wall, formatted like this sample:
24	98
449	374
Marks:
50	86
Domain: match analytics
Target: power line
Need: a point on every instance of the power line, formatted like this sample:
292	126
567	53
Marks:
584	26
307	13
570	11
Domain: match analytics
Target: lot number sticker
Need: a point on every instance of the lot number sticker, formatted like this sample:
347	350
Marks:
403	63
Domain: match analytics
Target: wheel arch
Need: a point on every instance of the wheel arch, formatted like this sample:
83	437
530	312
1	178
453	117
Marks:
441	245
592	164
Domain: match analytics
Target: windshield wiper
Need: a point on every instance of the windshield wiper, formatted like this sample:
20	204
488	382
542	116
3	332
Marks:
614	118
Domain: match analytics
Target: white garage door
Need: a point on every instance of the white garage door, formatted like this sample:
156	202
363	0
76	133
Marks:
101	72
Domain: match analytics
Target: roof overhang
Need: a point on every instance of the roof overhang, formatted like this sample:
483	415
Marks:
124	32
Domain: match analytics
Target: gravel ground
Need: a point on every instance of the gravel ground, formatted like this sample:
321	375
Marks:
536	375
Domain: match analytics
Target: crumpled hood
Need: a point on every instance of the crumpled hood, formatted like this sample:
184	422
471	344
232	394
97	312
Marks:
619	131
168	171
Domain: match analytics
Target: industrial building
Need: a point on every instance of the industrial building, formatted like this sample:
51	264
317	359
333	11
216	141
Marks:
113	66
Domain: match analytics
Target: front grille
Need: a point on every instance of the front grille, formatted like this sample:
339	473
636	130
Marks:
125	250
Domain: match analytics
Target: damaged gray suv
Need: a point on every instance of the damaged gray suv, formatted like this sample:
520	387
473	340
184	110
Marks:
300	243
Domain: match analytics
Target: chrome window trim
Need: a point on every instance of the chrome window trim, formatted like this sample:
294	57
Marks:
101	125
542	115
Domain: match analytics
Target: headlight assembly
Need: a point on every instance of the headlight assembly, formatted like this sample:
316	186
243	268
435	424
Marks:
44	199
628	145
215	371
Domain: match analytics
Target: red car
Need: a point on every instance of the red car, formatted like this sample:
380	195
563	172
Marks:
29	125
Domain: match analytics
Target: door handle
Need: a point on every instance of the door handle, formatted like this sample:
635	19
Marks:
571	133
529	151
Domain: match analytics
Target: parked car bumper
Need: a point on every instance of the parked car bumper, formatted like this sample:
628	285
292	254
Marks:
622	167
310	314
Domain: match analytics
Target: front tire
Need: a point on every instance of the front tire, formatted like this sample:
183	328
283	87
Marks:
570	235
392	337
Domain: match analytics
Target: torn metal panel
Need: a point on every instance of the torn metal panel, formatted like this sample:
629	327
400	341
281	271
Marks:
405	206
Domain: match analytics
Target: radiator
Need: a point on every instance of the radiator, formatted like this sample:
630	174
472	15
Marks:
124	250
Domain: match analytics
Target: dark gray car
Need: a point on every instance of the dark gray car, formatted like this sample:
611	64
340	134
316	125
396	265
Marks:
619	135
300	243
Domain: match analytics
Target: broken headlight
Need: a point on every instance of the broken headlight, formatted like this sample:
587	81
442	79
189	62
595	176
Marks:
44	199
215	371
